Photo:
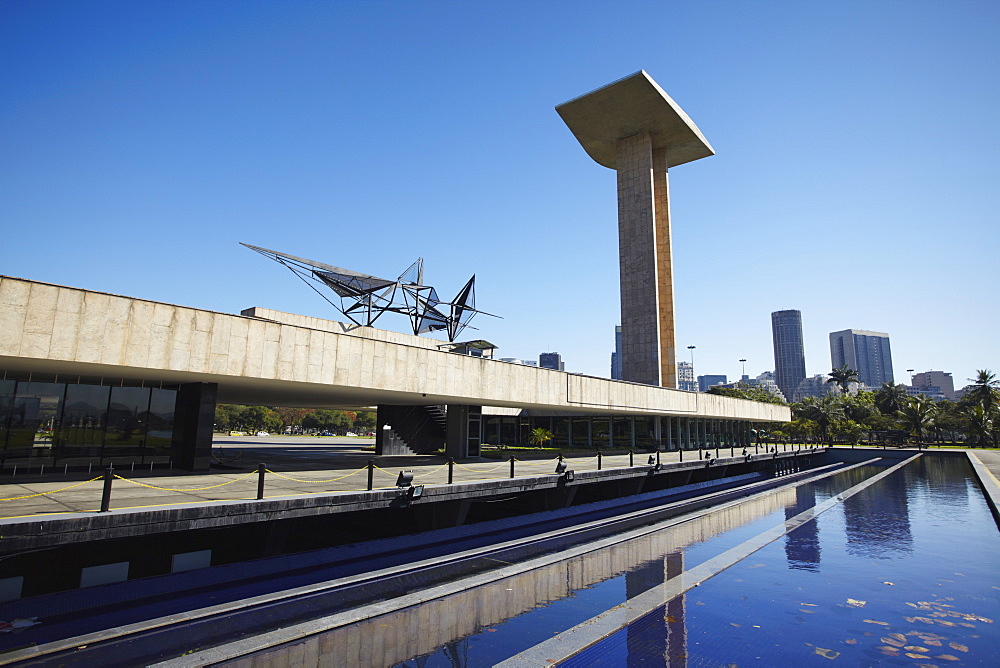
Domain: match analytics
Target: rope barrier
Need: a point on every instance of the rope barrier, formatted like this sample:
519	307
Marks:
394	475
424	475
190	489
544	462
55	491
364	468
486	471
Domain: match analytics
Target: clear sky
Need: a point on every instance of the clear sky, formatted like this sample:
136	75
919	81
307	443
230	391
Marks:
855	179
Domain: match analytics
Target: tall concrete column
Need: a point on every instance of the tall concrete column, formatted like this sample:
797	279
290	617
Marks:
632	126
194	419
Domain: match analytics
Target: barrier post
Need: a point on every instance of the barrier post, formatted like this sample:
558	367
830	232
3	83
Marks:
260	481
512	466
451	469
109	476
598	460
371	474
630	458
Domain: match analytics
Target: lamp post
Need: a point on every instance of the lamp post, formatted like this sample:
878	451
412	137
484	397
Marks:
691	348
910	372
744	363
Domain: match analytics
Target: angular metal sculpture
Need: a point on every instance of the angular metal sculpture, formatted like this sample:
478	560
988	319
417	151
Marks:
364	298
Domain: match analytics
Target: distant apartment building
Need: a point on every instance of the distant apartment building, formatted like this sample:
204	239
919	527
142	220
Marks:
707	381
685	377
940	380
616	356
814	386
551	361
933	393
765	381
865	352
789	351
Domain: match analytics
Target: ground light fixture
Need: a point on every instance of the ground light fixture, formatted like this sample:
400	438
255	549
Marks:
655	464
405	479
564	471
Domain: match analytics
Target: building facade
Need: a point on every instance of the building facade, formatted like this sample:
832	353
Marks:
685	377
551	361
789	351
707	381
864	351
940	380
616	356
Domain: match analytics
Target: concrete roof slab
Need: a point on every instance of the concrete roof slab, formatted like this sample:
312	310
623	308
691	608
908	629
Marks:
630	106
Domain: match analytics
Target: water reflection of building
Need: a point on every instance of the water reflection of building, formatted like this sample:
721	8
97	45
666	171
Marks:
878	520
661	634
439	626
802	544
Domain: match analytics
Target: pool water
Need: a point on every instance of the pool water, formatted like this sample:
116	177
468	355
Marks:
904	572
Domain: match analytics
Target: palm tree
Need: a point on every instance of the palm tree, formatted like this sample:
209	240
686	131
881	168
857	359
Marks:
980	426
843	377
985	390
824	411
540	436
890	398
918	415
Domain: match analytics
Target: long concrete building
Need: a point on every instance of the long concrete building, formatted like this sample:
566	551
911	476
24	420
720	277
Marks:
89	378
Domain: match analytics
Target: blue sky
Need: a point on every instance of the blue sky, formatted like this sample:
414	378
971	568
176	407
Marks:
855	177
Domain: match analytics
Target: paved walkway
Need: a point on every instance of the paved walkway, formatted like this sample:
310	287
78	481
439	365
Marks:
295	466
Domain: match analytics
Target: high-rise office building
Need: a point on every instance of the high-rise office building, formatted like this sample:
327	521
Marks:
865	352
942	380
616	356
789	352
707	381
685	377
551	361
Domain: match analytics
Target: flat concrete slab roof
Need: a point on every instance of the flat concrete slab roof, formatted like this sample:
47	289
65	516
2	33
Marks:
631	106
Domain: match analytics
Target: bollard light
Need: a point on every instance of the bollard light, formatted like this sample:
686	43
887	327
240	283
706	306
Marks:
652	460
405	479
561	466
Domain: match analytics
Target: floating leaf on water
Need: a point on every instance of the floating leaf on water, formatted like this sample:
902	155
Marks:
671	619
892	641
888	649
808	612
826	653
962	574
940	614
886	582
915	648
811	605
945	580
897	636
851	641
944	622
947	657
967	624
875	621
735	624
699	603
984	619
928	636
932	643
914	656
856	603
959	646
756	566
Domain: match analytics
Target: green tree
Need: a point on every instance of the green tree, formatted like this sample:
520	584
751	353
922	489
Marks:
262	418
229	417
917	415
980	426
824	411
985	391
364	422
326	420
749	392
890	398
843	377
540	436
848	431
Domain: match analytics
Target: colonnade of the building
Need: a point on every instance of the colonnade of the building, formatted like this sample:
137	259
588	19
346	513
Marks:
643	432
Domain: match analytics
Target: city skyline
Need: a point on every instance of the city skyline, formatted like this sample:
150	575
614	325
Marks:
144	140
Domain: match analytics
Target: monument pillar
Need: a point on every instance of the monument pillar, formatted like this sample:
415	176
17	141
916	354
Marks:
633	127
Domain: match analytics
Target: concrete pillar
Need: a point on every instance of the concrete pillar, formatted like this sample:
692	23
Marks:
194	419
647	298
457	432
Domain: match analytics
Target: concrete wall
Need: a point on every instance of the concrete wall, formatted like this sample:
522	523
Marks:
48	328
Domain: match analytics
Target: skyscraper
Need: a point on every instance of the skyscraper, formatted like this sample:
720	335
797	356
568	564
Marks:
551	361
685	377
865	352
789	353
616	356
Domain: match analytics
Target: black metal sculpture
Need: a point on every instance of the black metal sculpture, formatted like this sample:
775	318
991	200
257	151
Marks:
364	298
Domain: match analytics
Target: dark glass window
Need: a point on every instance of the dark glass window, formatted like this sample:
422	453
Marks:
126	431
644	435
601	427
581	432
160	425
34	418
85	415
622	432
560	432
6	400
